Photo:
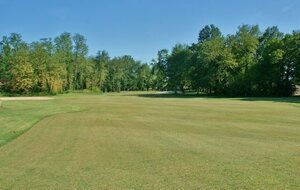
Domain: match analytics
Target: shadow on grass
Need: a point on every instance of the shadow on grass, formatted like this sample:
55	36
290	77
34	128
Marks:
292	99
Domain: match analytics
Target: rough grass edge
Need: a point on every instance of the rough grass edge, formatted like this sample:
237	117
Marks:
21	132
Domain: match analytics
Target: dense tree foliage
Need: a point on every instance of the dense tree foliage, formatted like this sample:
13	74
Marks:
159	66
247	63
55	66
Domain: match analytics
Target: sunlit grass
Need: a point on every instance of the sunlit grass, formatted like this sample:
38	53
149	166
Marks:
139	141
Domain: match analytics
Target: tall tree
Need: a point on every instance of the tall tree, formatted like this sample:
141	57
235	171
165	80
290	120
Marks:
101	62
80	53
17	71
159	70
244	45
143	77
178	68
293	51
291	61
215	66
209	32
63	53
22	74
115	75
40	57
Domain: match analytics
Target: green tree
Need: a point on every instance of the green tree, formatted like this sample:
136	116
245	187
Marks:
268	73
40	57
115	75
17	71
215	66
291	72
129	68
144	77
101	61
56	75
63	54
22	74
50	73
209	32
159	70
80	52
178	68
244	46
10	46
292	50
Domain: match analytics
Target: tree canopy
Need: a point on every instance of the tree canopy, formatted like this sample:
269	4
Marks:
247	63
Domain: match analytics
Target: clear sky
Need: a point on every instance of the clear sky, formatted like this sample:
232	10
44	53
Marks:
141	27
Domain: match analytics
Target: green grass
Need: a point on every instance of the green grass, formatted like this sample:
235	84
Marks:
132	141
16	117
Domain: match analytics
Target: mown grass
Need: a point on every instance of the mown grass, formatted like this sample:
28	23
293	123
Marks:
16	117
138	141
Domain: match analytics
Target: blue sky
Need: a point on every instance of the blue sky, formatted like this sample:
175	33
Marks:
141	27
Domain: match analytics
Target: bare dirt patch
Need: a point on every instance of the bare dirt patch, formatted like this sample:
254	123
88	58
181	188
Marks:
24	98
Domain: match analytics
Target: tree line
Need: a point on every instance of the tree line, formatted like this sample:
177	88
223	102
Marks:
56	66
247	63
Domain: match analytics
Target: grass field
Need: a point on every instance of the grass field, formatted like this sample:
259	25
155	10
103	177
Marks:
132	141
